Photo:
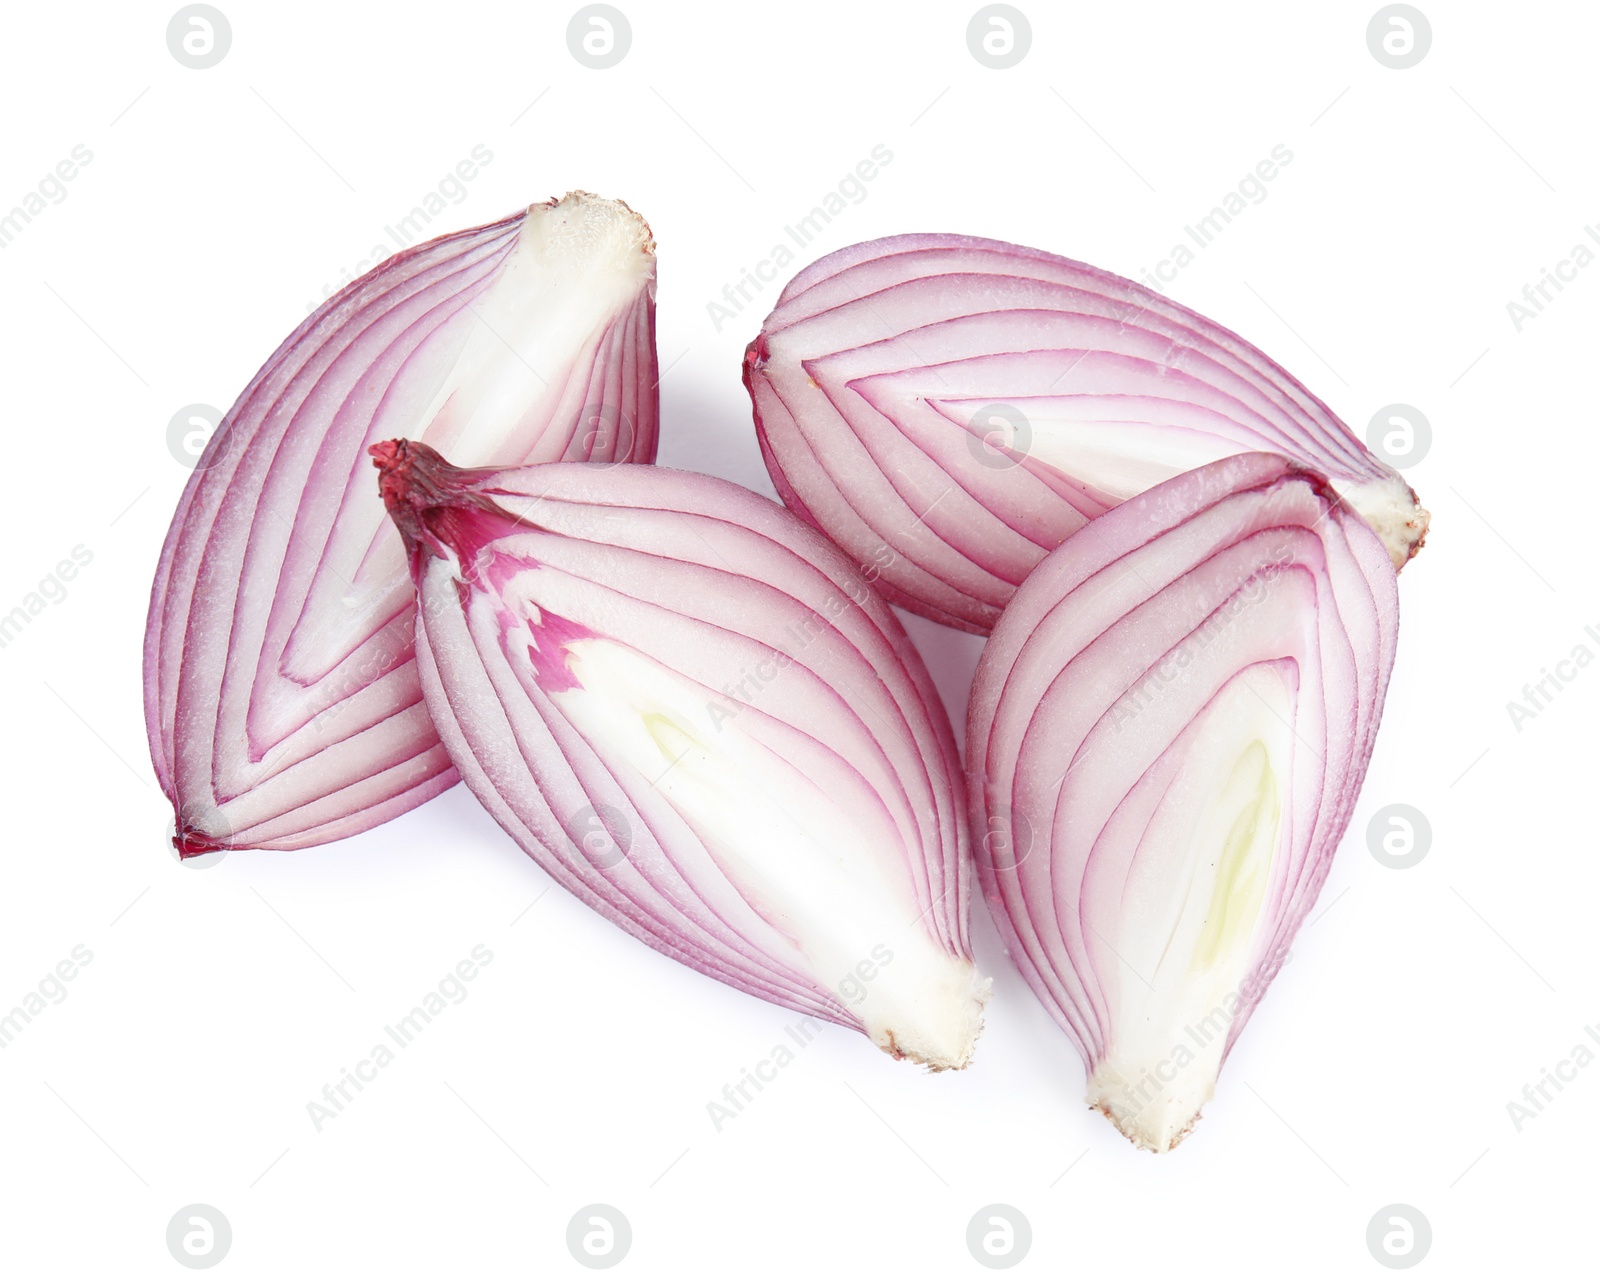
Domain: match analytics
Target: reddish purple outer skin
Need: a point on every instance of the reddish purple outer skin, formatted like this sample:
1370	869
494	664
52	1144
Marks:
432	503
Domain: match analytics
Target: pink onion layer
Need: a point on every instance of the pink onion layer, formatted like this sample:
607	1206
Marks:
688	709
949	409
281	691
1167	733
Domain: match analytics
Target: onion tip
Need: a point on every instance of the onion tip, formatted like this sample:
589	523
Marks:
1144	1136
430	500
191	842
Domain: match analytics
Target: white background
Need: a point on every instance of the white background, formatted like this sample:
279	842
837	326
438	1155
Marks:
218	1002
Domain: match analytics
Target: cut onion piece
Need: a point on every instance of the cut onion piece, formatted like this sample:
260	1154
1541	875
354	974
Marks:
281	692
687	707
1167	733
950	409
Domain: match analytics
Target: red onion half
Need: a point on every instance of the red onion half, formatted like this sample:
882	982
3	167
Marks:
1167	733
281	691
687	707
949	409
